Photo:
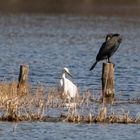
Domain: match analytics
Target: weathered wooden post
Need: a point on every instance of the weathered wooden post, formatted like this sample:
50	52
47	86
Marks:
108	84
23	80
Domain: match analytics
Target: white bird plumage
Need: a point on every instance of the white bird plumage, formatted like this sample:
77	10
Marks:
69	89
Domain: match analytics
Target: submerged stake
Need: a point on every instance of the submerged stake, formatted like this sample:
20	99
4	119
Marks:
108	84
23	78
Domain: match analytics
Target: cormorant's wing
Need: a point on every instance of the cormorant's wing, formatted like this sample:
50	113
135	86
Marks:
102	54
113	45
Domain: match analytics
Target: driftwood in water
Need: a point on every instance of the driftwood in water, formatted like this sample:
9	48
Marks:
108	84
23	80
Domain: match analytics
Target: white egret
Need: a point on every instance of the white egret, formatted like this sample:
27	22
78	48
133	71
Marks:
69	89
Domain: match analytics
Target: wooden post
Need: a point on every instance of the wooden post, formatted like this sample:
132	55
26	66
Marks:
23	80
108	84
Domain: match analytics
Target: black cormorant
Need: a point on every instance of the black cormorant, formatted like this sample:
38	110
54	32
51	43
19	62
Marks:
108	48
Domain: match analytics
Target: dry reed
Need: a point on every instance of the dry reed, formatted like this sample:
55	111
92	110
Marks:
33	106
17	107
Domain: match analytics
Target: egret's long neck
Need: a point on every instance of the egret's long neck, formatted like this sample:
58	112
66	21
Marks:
63	75
63	79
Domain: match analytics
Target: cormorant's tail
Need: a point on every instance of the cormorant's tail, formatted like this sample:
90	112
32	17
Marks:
93	66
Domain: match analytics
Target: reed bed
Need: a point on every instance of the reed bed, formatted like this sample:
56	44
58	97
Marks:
17	106
34	104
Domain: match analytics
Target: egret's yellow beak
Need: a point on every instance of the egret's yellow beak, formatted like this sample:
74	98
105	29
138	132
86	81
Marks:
69	74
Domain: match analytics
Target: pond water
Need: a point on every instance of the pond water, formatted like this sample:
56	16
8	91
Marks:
47	43
68	131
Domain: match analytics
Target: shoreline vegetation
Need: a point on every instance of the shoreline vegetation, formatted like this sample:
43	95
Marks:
35	104
93	7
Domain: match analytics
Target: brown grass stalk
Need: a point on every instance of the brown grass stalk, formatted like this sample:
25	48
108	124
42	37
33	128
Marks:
33	106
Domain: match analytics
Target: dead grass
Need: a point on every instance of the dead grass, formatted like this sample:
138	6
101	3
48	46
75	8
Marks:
102	117
17	107
32	106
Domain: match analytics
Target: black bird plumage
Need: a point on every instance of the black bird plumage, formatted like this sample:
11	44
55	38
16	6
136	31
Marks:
108	48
